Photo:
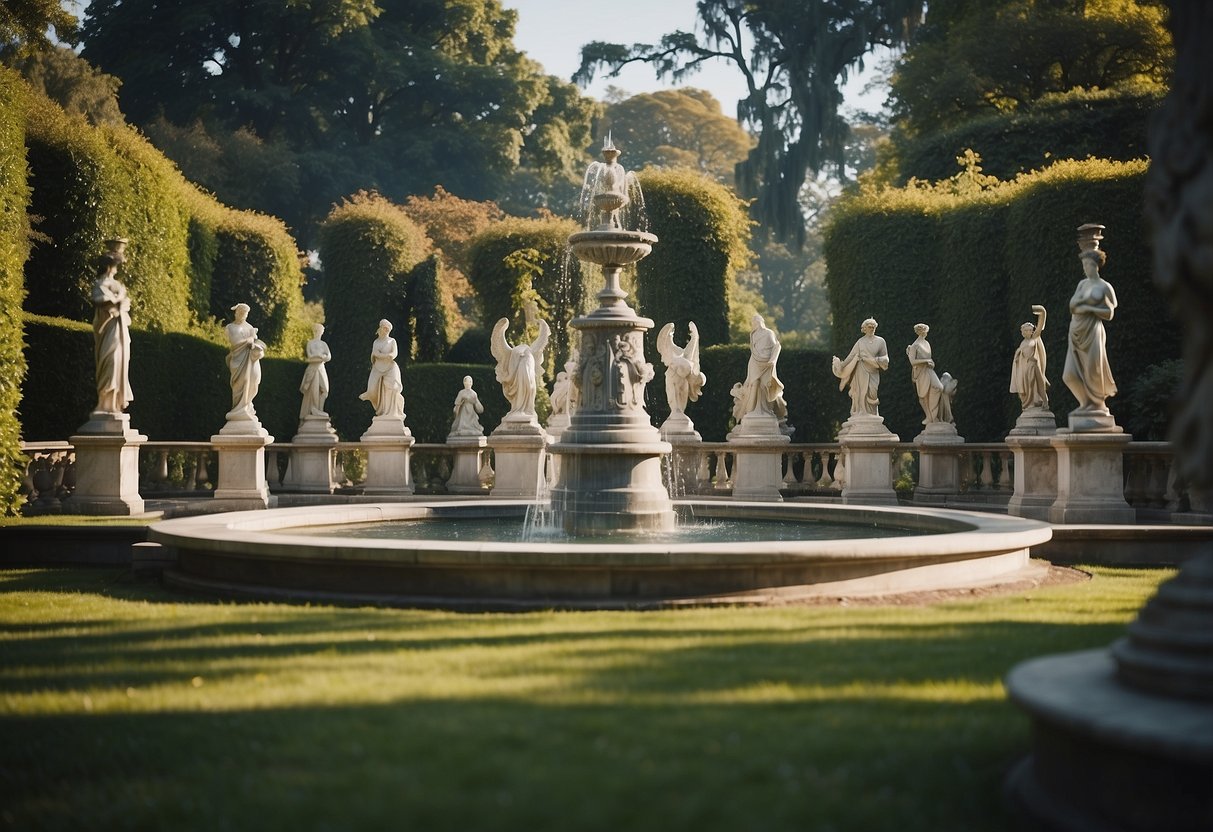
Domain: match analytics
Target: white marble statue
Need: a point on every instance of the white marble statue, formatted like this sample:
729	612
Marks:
112	333
1028	365
384	389
315	384
564	391
467	411
244	364
519	368
762	391
1086	371
933	395
859	372
683	380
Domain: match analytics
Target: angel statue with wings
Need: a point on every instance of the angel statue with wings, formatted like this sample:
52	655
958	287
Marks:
683	380
519	369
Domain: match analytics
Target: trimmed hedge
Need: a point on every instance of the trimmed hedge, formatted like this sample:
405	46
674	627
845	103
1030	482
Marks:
14	248
971	262
703	235
1107	124
560	286
93	183
59	392
368	247
429	316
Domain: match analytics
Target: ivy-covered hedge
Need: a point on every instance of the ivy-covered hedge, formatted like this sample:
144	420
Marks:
189	259
369	247
14	248
1107	124
59	391
498	282
93	183
703	235
969	257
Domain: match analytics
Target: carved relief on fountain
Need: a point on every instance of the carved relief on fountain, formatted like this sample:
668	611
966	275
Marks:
613	373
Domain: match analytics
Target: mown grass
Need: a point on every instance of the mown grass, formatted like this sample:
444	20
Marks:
126	706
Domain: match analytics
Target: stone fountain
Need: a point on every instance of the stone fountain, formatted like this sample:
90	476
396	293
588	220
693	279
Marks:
610	454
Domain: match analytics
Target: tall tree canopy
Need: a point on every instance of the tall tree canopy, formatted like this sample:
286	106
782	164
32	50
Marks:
793	55
678	128
396	95
24	24
971	59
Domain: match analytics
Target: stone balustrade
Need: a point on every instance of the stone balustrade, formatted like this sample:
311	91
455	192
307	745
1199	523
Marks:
813	471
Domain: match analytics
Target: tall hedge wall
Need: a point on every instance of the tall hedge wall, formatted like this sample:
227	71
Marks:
972	263
59	392
190	258
560	286
429	316
703	234
14	248
92	183
368	247
1108	124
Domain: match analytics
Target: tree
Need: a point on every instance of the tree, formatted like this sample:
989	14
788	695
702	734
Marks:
955	71
71	82
798	54
678	128
395	95
24	25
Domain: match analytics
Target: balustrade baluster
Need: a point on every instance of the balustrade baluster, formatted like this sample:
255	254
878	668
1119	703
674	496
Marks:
987	470
201	475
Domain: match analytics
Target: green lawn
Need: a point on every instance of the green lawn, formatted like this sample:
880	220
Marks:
126	706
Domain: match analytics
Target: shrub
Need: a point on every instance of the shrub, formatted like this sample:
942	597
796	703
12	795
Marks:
1153	400
703	233
499	273
975	254
14	248
429	313
368	247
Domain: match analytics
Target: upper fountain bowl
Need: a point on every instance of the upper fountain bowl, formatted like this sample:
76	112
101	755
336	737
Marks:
612	248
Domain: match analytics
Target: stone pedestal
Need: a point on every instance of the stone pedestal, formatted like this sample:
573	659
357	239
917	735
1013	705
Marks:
758	445
678	428
1035	421
867	447
107	467
469	459
241	447
310	470
1035	476
388	445
518	462
939	448
1090	480
682	466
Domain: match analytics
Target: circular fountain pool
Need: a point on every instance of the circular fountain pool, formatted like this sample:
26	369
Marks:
469	555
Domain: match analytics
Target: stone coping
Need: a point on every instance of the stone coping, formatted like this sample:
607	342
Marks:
266	535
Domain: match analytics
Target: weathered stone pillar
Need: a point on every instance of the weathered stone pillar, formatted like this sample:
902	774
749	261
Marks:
107	467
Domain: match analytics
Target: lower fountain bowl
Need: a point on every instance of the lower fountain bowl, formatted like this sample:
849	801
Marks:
277	554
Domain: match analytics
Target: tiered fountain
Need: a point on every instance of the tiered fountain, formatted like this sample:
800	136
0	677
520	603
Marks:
610	466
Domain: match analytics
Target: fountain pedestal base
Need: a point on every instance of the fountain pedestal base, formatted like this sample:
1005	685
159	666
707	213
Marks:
518	463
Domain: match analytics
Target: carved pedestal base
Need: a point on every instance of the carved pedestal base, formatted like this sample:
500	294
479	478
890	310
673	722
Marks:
388	445
1035	476
1035	421
867	456
310	470
757	444
938	462
241	447
1090	479
469	459
679	428
107	467
518	463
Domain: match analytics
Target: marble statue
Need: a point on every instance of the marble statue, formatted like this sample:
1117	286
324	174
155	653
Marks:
762	391
947	394
1086	371
683	380
112	333
467	411
859	372
927	383
244	364
1028	366
520	367
564	391
315	384
384	389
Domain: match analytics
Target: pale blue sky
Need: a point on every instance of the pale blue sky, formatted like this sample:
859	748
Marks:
553	32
